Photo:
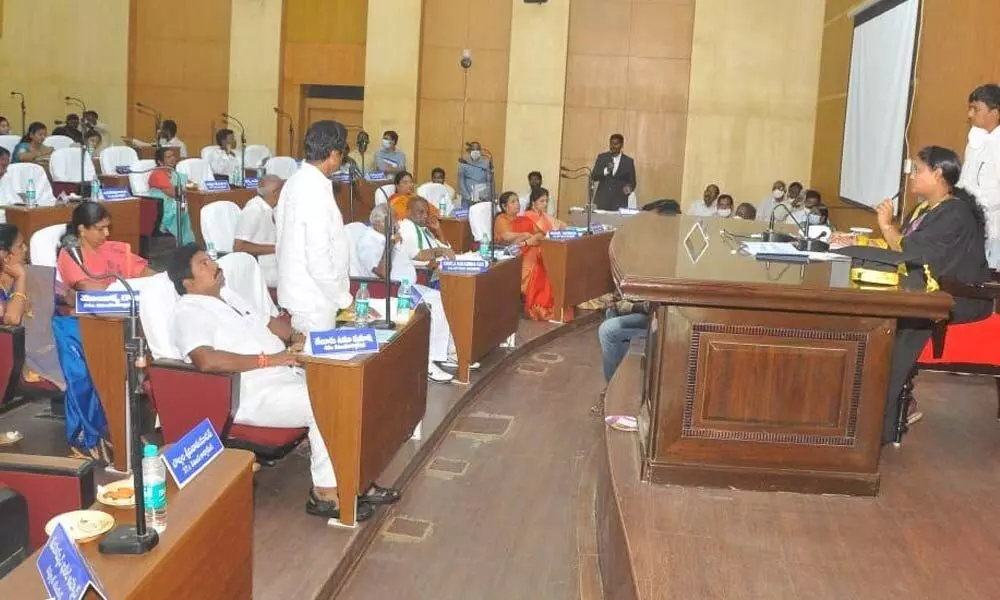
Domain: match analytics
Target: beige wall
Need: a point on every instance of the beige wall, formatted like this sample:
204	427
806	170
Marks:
536	93
754	76
41	56
254	67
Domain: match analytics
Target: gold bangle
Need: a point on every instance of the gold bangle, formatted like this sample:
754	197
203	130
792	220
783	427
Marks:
18	295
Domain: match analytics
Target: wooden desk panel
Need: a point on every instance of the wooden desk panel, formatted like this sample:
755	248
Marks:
198	199
368	407
579	270
124	219
483	310
364	200
206	551
457	233
103	340
116	181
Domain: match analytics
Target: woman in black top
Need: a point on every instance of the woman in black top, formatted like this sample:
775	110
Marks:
946	231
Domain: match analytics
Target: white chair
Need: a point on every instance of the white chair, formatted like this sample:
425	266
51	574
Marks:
244	277
434	193
385	192
282	166
218	224
480	220
196	170
44	245
113	157
138	179
524	200
156	309
15	182
64	165
256	155
9	141
58	141
206	151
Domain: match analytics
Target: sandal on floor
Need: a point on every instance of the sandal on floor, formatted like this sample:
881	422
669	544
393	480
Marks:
379	495
329	509
622	422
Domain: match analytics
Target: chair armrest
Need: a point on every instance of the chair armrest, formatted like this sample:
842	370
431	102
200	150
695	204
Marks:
185	396
11	362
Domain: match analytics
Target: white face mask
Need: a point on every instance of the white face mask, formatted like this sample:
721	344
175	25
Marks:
387	144
778	195
475	154
724	212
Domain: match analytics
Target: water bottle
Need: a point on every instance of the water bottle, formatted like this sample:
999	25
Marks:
443	206
403	302
154	489
29	193
261	171
361	300
236	179
210	250
484	248
95	189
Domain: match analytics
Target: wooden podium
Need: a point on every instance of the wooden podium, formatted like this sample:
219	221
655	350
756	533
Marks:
766	376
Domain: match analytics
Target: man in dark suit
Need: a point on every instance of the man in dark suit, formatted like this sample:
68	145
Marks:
615	176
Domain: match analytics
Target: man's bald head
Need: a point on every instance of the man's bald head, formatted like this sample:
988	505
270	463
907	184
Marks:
417	209
269	187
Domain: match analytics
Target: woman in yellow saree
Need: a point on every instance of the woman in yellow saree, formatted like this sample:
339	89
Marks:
535	287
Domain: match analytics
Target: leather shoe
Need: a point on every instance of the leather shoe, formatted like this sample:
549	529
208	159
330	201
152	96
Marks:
328	508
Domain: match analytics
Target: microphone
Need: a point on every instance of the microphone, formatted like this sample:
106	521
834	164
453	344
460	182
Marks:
12	94
362	141
76	253
466	61
75	100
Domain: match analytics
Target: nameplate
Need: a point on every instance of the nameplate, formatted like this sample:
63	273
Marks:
599	227
376	176
123	169
415	296
250	183
217	185
115	193
192	453
460	213
104	302
564	234
338	342
513	250
66	574
463	266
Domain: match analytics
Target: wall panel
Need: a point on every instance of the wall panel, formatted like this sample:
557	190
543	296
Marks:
254	67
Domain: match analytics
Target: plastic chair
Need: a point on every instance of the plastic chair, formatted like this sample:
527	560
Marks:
282	166
196	170
15	182
256	155
58	141
44	245
113	157
64	165
9	141
218	224
385	192
480	221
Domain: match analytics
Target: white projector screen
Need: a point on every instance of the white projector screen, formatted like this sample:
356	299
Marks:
878	100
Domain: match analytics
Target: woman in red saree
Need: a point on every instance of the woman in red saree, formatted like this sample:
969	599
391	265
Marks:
535	287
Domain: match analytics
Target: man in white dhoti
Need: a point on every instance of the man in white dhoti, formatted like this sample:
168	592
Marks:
981	166
312	247
220	332
255	229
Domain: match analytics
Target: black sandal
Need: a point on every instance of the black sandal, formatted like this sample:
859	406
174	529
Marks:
316	506
380	495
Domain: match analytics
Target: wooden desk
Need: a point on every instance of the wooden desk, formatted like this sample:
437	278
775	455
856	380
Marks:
124	219
367	407
457	233
578	270
578	218
483	310
103	341
767	376
206	551
198	199
364	199
115	180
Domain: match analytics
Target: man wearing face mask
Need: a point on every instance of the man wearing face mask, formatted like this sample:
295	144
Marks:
614	173
981	169
707	206
388	159
474	176
724	206
777	197
807	213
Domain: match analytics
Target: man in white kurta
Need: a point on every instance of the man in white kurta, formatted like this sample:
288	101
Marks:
981	166
420	244
313	249
256	232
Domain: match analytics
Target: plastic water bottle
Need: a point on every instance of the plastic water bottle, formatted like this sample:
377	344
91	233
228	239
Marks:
484	248
95	189
403	302
361	301
30	194
443	206
210	250
154	489
236	179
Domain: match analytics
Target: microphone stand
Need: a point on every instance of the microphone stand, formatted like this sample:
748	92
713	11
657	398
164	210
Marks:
387	323
580	173
83	147
180	197
770	235
128	539
24	112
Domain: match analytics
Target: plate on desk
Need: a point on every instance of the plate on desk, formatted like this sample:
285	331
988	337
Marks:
119	493
82	525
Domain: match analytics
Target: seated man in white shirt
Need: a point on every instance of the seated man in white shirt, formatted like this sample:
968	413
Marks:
419	242
256	232
707	206
220	332
168	137
223	158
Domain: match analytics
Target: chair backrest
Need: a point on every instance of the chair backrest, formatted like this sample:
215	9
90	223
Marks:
282	166
64	165
255	155
480	220
113	157
218	224
156	311
206	151
137	179
9	141
196	170
355	233
58	141
243	276
385	192
434	193
44	245
16	180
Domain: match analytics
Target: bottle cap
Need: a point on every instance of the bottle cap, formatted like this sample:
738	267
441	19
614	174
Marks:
149	450
364	285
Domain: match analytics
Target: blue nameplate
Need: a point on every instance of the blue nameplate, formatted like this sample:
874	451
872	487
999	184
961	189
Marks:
104	303
415	296
463	266
115	193
123	170
66	574
376	176
460	213
250	183
339	342
217	185
564	234
513	250
192	453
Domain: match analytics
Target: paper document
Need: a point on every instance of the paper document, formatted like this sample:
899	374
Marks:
789	249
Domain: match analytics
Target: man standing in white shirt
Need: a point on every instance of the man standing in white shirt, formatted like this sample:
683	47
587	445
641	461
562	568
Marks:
981	167
256	232
312	247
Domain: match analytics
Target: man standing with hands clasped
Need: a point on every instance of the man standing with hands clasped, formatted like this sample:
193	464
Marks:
981	166
615	174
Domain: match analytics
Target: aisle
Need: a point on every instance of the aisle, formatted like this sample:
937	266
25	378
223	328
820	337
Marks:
493	515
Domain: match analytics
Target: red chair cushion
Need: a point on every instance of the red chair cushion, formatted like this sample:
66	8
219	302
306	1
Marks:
969	343
267	437
149	213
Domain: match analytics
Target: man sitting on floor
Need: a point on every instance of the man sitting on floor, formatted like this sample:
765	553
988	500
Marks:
220	332
623	322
